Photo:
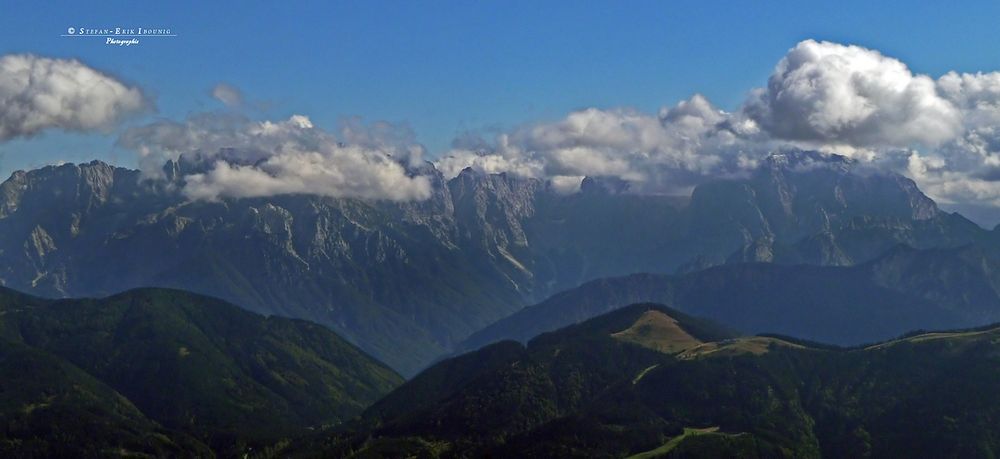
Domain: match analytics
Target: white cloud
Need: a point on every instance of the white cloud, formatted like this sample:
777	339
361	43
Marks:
943	133
836	98
565	184
668	152
245	158
966	169
229	95
338	172
950	186
489	163
39	93
830	93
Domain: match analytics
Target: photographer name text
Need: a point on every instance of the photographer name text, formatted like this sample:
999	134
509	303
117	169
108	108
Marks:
120	36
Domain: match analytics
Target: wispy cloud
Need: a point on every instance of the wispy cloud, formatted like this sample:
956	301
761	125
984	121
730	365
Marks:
228	94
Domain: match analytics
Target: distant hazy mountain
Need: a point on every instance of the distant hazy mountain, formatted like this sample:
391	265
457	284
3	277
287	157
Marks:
903	290
406	281
164	372
647	381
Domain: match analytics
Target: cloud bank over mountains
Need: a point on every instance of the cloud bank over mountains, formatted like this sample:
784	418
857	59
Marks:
667	152
40	93
944	133
246	158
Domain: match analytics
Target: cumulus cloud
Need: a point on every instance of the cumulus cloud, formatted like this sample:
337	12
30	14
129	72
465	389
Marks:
238	157
666	152
835	94
229	95
39	93
976	94
966	169
339	172
490	162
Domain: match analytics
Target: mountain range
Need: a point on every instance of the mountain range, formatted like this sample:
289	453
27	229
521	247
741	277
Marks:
409	281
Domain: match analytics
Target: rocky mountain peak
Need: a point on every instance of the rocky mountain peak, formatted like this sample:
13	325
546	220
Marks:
604	185
840	183
82	186
800	160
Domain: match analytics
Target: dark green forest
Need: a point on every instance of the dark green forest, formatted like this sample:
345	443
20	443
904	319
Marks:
581	392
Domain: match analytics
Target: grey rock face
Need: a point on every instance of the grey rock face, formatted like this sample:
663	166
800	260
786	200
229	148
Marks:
406	281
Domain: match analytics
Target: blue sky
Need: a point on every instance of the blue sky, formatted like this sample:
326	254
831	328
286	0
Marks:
446	67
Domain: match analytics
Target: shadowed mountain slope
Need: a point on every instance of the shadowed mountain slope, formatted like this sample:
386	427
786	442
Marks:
905	289
583	391
188	363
